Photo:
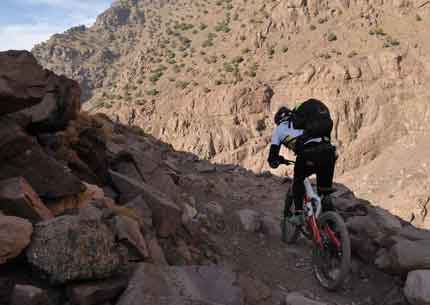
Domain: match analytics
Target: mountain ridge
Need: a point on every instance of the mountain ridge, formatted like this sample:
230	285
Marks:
194	73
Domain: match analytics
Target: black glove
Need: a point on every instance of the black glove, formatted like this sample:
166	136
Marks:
274	157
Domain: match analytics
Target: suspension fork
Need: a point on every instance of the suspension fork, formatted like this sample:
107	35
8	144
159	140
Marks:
312	223
332	236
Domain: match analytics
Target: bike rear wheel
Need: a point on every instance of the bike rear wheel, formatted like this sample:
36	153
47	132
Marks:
332	262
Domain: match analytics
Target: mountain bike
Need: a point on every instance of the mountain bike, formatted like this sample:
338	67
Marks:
331	251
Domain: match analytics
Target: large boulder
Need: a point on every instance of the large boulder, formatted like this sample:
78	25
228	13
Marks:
417	287
17	198
152	284
52	100
371	231
21	156
76	247
166	215
405	256
15	234
22	81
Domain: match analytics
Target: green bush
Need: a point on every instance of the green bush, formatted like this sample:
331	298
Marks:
182	84
152	92
212	36
378	32
222	27
391	42
176	68
170	54
228	67
252	70
271	50
312	27
207	43
331	36
237	60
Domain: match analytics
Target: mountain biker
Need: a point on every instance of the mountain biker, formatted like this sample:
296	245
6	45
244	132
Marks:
314	155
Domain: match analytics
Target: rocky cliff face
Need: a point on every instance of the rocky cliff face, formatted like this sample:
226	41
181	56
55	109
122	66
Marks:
96	212
207	77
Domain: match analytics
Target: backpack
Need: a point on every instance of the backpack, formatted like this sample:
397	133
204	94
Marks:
314	118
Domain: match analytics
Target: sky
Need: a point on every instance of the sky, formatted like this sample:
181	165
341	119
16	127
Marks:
24	23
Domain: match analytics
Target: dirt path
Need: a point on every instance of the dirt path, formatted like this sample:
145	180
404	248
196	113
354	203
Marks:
288	268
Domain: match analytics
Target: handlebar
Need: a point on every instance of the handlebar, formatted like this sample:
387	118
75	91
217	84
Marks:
288	162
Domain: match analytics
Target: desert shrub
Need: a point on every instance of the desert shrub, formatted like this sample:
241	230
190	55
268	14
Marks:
222	27
228	67
331	36
181	84
152	92
391	42
237	60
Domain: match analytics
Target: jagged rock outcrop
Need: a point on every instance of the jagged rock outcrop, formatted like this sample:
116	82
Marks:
17	198
50	101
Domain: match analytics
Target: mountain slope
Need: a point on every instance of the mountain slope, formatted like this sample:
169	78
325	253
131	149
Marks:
207	76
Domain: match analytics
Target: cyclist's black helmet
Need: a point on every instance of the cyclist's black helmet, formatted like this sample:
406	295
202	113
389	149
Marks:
282	115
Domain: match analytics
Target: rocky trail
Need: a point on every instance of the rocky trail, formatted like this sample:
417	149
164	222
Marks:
93	212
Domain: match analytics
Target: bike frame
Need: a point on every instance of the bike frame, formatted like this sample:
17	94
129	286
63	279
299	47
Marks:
313	208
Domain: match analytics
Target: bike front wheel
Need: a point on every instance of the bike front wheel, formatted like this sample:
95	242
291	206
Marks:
332	258
290	232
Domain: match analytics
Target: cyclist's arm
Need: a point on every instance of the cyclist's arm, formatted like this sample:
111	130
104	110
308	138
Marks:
275	159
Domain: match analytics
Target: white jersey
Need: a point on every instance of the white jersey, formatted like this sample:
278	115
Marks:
286	134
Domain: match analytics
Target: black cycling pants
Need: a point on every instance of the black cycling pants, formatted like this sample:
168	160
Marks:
316	158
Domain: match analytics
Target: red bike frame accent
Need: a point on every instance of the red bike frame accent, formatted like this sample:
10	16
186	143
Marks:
332	236
316	235
312	223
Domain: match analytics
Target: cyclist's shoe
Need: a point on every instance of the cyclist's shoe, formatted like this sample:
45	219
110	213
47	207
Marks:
297	219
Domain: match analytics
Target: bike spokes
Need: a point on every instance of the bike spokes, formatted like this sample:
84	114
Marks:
332	256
